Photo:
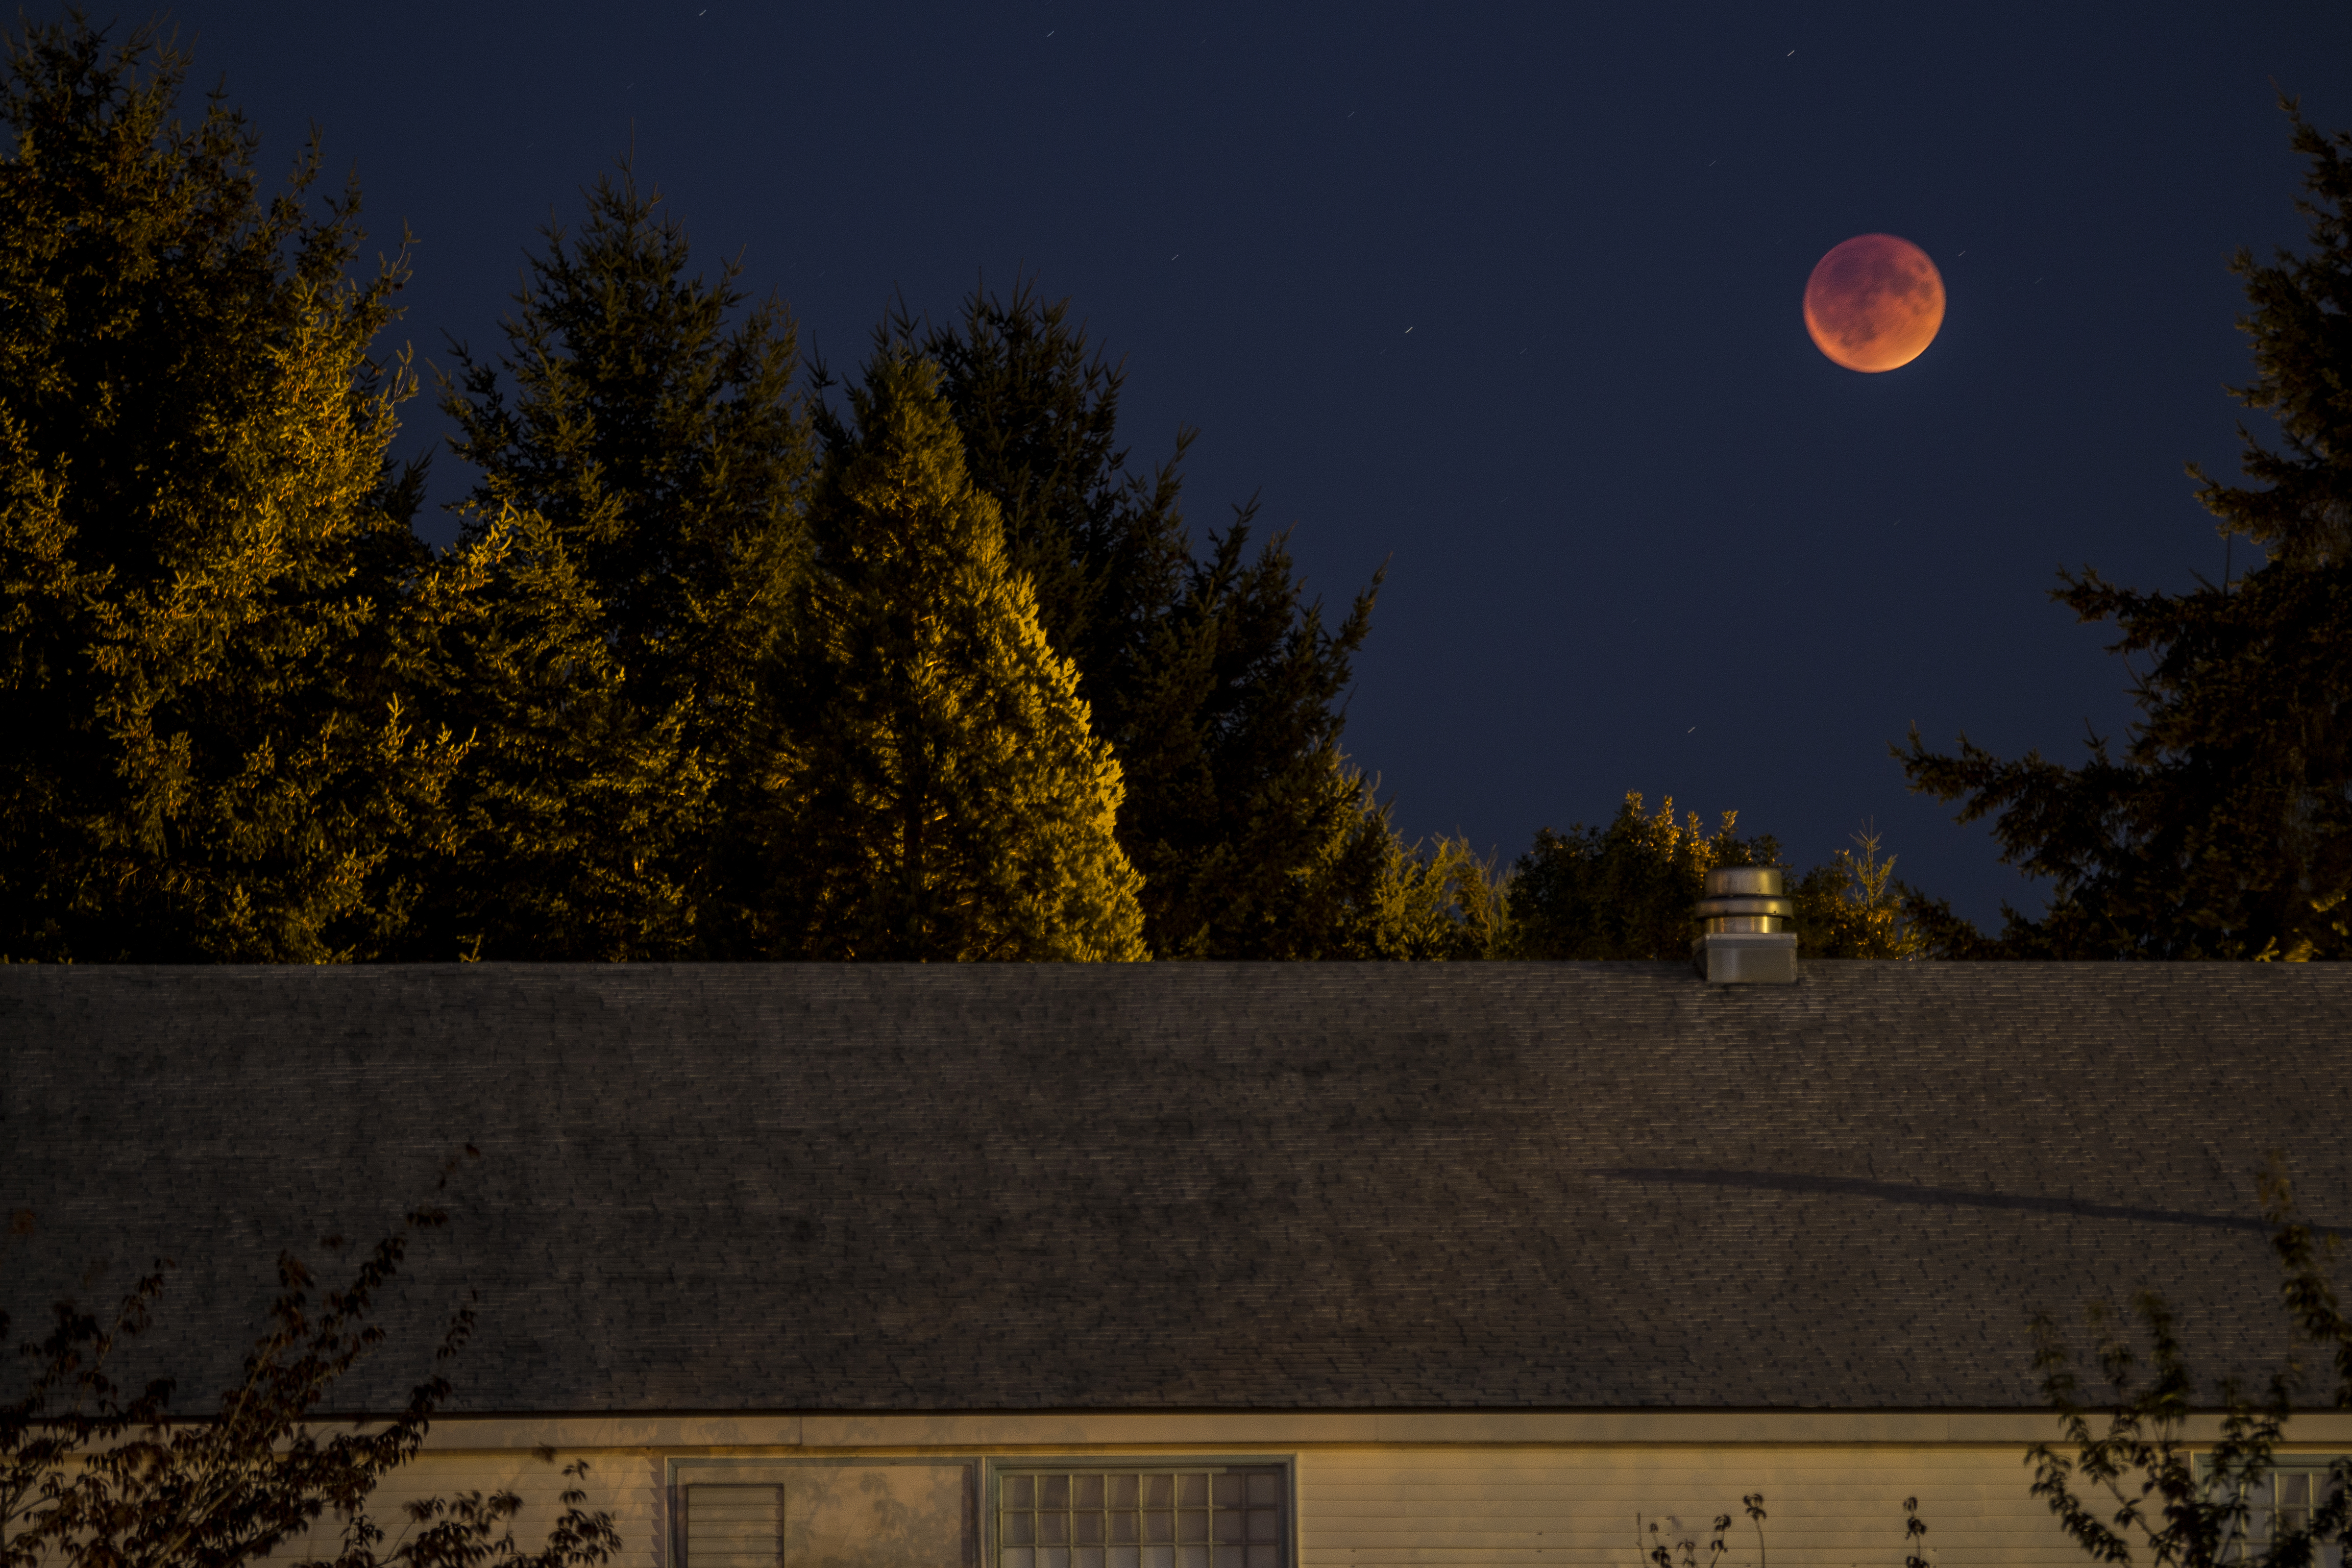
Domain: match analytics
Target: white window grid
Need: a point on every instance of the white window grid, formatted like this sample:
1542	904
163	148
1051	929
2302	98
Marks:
1149	1517
2280	1502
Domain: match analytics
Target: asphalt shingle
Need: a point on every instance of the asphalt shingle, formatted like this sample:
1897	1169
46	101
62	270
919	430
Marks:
1188	1186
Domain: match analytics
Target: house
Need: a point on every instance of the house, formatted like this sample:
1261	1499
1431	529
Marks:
1171	1266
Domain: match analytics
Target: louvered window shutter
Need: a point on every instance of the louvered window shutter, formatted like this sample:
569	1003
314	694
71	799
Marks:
734	1526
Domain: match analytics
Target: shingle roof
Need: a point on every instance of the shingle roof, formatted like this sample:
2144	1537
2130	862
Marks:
1174	1186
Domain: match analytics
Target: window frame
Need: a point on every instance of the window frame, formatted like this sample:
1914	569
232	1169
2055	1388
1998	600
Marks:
2250	1544
994	1468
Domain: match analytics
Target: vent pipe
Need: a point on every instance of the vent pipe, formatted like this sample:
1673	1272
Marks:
1748	929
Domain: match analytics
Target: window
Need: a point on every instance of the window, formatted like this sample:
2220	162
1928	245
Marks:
1151	1516
2282	1502
2291	1499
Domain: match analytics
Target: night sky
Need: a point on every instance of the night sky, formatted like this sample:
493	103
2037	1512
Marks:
1506	297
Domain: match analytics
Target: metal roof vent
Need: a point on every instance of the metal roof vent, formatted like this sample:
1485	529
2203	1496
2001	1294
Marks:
1748	929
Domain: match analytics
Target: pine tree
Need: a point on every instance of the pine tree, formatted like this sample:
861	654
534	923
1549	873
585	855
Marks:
641	502
568	780
1254	834
1103	545
937	794
1852	906
1626	892
203	571
2225	830
1431	904
1214	679
1630	891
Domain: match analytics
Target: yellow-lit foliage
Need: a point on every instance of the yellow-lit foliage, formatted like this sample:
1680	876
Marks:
642	458
256	790
208	755
570	785
1853	907
1630	891
1626	892
937	792
1437	903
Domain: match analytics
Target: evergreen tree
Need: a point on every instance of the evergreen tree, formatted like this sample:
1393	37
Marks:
938	792
1434	904
203	571
2225	830
1254	834
640	505
1104	546
1850	906
569	781
1626	891
1215	680
1630	891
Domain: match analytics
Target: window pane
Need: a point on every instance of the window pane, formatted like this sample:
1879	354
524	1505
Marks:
2294	1502
1171	1517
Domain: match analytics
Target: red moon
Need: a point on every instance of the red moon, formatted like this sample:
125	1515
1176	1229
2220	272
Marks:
1874	303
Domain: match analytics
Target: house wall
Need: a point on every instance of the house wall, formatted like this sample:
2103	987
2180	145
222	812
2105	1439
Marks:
1594	1507
1386	1491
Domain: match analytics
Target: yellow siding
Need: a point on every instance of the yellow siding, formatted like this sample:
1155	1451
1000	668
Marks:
627	1485
1591	1508
1463	1504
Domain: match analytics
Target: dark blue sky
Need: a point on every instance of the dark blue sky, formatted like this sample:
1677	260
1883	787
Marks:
1506	296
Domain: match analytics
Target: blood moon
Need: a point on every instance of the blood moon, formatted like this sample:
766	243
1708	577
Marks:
1874	303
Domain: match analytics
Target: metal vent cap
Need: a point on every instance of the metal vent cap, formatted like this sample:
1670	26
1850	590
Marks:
1745	899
